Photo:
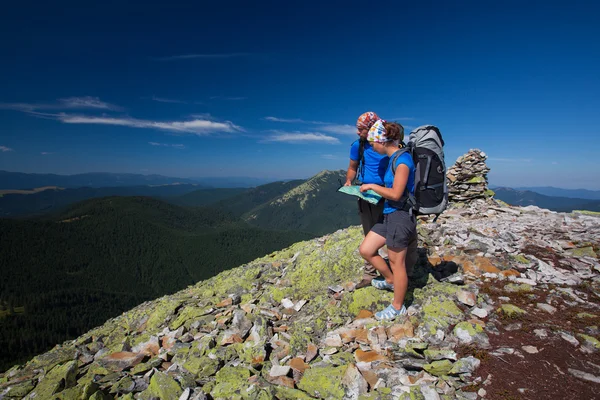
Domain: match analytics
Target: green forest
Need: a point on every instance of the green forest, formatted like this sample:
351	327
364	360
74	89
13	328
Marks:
64	274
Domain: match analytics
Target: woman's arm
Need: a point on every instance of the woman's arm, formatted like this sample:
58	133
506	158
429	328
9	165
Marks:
397	190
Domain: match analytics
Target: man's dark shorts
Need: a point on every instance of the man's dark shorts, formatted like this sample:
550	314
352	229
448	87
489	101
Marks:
398	228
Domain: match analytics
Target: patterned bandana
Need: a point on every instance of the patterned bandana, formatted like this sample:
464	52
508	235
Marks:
366	120
377	133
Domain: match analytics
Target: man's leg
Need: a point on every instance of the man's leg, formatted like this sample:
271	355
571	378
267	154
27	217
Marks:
370	214
411	255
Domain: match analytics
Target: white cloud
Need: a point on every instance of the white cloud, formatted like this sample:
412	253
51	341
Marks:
292	120
46	153
232	98
4	149
175	146
165	100
300	137
201	56
336	129
339	129
198	127
86	102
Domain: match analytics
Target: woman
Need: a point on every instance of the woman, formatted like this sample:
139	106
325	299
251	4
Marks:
398	228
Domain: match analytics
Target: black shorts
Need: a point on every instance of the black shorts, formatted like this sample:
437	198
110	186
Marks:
398	228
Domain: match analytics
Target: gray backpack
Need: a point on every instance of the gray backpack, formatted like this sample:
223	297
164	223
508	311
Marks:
426	147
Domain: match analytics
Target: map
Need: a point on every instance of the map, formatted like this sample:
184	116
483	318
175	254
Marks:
369	195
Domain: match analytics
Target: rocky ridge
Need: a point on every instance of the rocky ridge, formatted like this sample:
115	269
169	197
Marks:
291	326
467	178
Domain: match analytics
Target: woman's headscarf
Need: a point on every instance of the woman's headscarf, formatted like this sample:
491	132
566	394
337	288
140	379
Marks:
378	133
366	120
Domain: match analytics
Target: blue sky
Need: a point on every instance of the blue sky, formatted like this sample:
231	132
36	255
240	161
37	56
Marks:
273	89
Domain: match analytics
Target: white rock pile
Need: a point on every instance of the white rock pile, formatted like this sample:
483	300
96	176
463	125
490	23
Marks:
467	178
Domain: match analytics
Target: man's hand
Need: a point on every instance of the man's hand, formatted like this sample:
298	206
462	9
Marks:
348	183
365	187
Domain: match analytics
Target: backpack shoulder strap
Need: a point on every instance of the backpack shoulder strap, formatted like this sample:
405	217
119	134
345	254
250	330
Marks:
395	157
361	158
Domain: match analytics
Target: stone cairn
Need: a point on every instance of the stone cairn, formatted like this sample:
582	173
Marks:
467	178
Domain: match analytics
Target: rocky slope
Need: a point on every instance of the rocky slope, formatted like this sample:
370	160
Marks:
290	326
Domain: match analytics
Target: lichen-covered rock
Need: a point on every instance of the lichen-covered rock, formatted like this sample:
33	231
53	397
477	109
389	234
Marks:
438	368
324	382
511	311
465	365
57	379
162	386
230	381
468	332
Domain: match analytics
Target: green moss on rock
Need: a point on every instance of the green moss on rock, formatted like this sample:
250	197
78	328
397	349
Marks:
368	298
163	386
476	179
230	381
591	341
59	378
438	368
587	251
511	311
325	382
19	390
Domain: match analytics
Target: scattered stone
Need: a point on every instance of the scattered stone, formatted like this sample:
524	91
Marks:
279	370
465	365
298	306
569	338
354	383
368	356
467	298
584	375
311	352
333	341
287	303
530	349
122	360
479	312
546	307
541	333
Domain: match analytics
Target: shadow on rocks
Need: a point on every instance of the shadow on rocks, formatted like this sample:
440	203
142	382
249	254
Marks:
418	277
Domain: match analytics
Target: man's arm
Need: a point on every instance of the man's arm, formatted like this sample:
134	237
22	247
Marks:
351	173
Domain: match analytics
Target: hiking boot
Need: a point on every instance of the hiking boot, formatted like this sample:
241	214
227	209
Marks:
390	313
382	284
364	283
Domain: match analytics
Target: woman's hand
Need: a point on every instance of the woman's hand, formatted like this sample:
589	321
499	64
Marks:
365	187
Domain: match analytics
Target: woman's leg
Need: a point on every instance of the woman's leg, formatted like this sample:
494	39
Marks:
400	279
369	251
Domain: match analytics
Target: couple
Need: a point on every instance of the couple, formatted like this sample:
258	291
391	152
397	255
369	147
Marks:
390	222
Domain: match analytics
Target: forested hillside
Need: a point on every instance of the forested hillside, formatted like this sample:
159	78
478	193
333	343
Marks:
64	274
55	199
314	206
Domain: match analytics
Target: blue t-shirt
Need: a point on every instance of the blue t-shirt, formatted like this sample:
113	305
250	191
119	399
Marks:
374	164
406	159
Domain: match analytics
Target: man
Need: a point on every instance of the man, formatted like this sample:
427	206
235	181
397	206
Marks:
367	166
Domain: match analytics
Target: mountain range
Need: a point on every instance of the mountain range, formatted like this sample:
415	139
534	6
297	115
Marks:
563	204
558	192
